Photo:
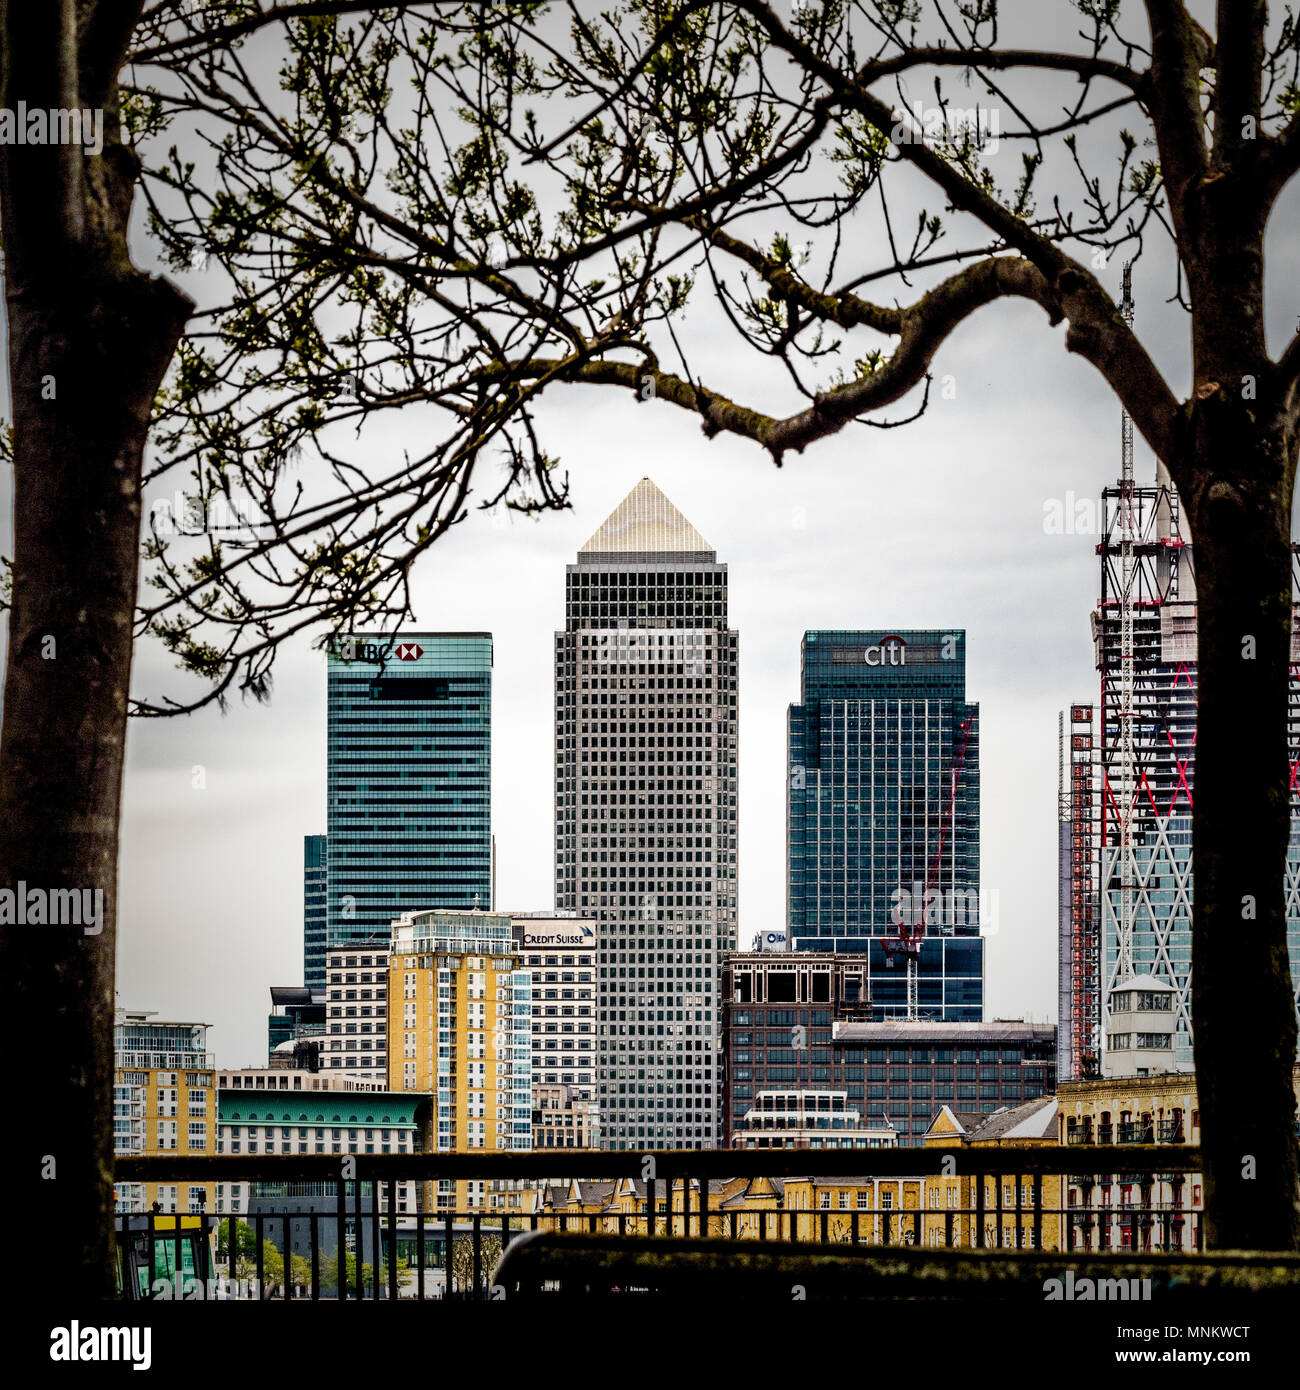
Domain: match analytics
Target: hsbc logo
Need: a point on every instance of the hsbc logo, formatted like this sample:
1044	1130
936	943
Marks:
349	649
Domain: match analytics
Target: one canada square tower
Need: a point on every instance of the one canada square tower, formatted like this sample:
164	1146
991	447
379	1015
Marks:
645	810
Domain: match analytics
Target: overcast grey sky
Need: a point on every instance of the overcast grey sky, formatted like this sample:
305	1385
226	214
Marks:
939	524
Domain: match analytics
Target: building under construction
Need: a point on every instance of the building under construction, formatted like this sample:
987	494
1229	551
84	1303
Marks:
1126	789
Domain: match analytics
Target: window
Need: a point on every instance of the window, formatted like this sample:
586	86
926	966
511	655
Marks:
886	1201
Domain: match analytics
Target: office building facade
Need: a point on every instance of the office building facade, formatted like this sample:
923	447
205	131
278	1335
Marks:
883	813
356	1005
894	1073
315	909
645	810
559	952
802	986
295	1027
409	779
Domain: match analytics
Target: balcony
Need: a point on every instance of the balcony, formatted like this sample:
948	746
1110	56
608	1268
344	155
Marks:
165	1061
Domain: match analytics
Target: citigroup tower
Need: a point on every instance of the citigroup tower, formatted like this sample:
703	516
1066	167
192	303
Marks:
883	814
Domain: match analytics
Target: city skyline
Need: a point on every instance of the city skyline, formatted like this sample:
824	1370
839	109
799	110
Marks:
498	574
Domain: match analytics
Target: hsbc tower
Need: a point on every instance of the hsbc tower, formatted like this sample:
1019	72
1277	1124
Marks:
409	778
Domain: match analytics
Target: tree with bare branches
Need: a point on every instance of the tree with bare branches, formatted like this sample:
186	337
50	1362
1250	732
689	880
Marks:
459	210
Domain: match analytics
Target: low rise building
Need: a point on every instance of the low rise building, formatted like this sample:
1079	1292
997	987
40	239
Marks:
878	1211
896	1071
335	1115
808	1119
1132	1211
563	1118
1010	1213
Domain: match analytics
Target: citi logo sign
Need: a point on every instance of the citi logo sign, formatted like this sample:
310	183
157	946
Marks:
889	651
409	651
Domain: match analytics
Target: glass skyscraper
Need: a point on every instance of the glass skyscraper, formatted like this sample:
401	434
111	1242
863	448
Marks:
645	811
409	779
315	889
883	813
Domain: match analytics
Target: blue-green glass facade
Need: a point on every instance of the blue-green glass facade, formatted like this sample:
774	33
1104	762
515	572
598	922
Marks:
315	914
882	725
409	781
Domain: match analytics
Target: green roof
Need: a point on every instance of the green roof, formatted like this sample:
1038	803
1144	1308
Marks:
386	1109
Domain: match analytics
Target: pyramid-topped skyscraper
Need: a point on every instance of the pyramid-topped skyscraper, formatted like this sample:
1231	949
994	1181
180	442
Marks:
645	814
645	522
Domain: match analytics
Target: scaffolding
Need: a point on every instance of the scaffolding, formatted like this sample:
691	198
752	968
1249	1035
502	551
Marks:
1079	1028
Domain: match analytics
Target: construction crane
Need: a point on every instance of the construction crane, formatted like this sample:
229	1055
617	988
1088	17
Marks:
911	920
1128	782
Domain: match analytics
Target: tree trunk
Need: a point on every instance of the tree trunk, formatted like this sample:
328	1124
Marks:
77	519
90	338
1243	1009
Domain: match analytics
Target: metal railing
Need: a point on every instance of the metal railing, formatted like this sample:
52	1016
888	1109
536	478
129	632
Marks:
436	1251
